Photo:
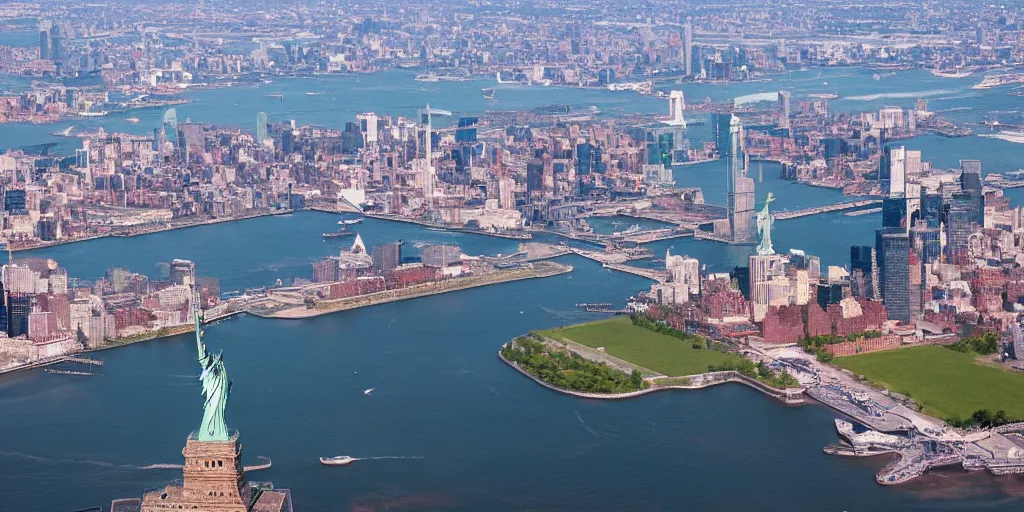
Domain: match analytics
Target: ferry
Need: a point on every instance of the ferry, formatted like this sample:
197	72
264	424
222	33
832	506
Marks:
342	232
991	81
341	460
133	120
951	74
350	222
100	113
824	95
429	77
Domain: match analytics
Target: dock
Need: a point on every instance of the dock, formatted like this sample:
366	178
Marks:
650	273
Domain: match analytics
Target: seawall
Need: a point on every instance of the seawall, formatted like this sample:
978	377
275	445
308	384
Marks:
706	380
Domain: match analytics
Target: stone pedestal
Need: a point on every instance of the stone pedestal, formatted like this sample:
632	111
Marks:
214	480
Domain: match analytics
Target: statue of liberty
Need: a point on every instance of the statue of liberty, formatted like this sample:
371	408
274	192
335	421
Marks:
764	227
216	386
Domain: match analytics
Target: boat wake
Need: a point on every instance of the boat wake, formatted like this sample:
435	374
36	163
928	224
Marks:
162	466
585	424
899	95
84	462
386	457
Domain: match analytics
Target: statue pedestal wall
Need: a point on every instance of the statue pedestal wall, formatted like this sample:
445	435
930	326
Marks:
214	480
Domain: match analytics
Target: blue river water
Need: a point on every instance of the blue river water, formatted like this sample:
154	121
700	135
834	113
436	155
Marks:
471	433
465	432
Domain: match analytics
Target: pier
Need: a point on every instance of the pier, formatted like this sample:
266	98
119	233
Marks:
838	207
653	274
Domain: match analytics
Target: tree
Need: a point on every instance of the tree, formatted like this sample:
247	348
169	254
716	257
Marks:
80	336
637	379
982	417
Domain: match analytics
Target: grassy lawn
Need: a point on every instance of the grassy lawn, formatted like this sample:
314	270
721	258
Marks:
944	382
658	352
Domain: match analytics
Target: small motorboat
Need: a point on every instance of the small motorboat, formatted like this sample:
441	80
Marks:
341	460
350	222
368	391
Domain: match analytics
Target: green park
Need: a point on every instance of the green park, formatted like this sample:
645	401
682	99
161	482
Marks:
948	384
658	352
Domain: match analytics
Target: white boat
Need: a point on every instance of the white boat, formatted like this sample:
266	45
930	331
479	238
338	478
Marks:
350	222
951	74
341	460
430	77
991	81
824	95
133	120
368	391
1007	135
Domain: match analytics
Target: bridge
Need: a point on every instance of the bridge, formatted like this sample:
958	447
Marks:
838	207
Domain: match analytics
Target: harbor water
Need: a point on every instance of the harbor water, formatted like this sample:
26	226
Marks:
465	432
448	426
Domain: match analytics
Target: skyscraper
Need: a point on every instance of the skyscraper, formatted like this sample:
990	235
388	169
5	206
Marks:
970	183
864	274
261	127
386	256
898	172
894	212
739	187
688	45
784	112
896	273
44	39
183	272
960	223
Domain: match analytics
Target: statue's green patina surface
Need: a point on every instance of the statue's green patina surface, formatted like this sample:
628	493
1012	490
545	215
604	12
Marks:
216	386
764	227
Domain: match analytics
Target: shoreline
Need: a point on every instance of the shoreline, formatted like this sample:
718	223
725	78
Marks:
299	312
163	229
706	380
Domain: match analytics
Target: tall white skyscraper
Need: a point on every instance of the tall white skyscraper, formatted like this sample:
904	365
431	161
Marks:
898	172
688	46
676	106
